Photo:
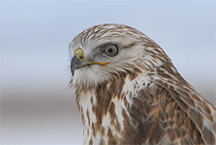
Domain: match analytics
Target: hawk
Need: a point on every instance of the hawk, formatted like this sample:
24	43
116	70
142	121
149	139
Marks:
129	92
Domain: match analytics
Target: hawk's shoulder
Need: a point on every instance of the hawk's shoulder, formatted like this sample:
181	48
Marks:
170	112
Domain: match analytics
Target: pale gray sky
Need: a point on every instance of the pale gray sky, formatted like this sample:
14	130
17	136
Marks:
35	34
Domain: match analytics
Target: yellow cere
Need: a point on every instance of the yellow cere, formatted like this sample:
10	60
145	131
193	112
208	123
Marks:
80	54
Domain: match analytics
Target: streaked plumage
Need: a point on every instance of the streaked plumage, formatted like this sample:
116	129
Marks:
129	92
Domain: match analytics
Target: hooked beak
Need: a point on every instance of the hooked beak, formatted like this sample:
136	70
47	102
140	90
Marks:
78	61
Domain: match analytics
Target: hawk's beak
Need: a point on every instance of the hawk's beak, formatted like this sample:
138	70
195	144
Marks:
78	61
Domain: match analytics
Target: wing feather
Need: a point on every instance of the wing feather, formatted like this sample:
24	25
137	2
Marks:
200	111
165	113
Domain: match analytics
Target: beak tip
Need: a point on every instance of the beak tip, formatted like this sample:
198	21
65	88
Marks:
72	70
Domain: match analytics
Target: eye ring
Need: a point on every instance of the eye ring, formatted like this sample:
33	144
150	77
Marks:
111	50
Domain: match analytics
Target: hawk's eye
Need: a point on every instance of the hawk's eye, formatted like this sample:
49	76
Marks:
111	50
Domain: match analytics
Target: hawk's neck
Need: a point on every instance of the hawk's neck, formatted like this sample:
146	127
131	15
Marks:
104	110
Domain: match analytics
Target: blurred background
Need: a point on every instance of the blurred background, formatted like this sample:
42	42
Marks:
36	106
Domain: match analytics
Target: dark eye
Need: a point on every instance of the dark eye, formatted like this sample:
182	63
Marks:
111	50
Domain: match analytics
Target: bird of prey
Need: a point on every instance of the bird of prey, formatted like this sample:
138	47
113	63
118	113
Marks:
129	92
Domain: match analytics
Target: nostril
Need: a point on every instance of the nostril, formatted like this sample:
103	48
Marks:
81	57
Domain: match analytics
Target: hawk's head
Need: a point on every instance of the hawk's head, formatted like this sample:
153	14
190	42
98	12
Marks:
103	52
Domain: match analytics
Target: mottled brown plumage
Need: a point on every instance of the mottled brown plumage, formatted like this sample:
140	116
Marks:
129	92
